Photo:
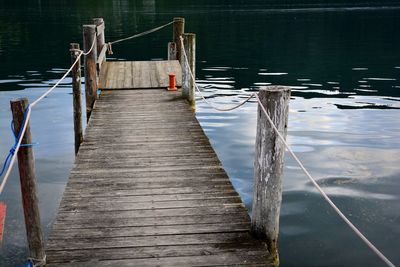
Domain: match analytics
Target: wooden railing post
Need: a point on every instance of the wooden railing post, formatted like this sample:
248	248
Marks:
89	36
178	30
99	22
76	93
188	85
268	166
26	166
172	51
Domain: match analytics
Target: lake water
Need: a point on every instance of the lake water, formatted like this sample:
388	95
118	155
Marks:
344	68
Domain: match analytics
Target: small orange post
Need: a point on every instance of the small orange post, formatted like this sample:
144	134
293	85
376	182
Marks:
172	85
2	219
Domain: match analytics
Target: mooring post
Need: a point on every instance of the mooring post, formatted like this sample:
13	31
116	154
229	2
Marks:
26	166
89	36
268	166
188	84
76	95
99	22
172	51
178	30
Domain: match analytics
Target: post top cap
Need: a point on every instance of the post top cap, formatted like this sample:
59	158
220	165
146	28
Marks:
275	88
89	26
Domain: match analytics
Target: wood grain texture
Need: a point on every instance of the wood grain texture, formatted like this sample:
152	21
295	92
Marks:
90	60
147	189
29	192
76	96
178	30
138	74
268	166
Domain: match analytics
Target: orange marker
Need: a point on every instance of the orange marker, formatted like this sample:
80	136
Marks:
172	85
2	219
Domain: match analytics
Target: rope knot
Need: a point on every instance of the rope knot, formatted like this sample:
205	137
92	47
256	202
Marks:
12	150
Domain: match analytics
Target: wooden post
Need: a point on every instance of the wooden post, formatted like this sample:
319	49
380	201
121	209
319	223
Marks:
26	166
76	92
99	22
89	36
178	30
268	166
188	85
172	51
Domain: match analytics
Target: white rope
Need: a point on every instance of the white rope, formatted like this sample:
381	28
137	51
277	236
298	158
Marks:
66	74
201	94
59	81
325	196
3	183
141	34
28	116
330	202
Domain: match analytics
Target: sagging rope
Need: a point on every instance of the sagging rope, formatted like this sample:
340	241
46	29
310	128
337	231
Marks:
10	159
27	116
322	192
31	262
201	94
324	195
109	44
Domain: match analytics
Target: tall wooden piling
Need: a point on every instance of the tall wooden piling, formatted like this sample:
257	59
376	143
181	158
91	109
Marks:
26	166
178	30
188	84
89	36
76	93
268	166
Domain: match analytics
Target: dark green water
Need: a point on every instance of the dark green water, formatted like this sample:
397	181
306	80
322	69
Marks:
343	64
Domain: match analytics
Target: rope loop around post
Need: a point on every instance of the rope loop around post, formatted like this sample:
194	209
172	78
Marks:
109	48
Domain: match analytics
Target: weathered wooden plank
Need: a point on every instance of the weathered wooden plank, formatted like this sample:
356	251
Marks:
159	71
224	257
110	232
139	74
235	258
122	199
121	74
133	73
81	221
153	252
169	184
147	185
214	214
126	173
146	241
181	193
107	206
127	75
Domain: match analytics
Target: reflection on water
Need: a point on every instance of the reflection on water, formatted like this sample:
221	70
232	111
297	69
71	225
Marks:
342	66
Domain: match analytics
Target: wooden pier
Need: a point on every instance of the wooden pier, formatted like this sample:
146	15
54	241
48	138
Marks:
147	188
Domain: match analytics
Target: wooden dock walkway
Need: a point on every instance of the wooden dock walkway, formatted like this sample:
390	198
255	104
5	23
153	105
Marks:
147	189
